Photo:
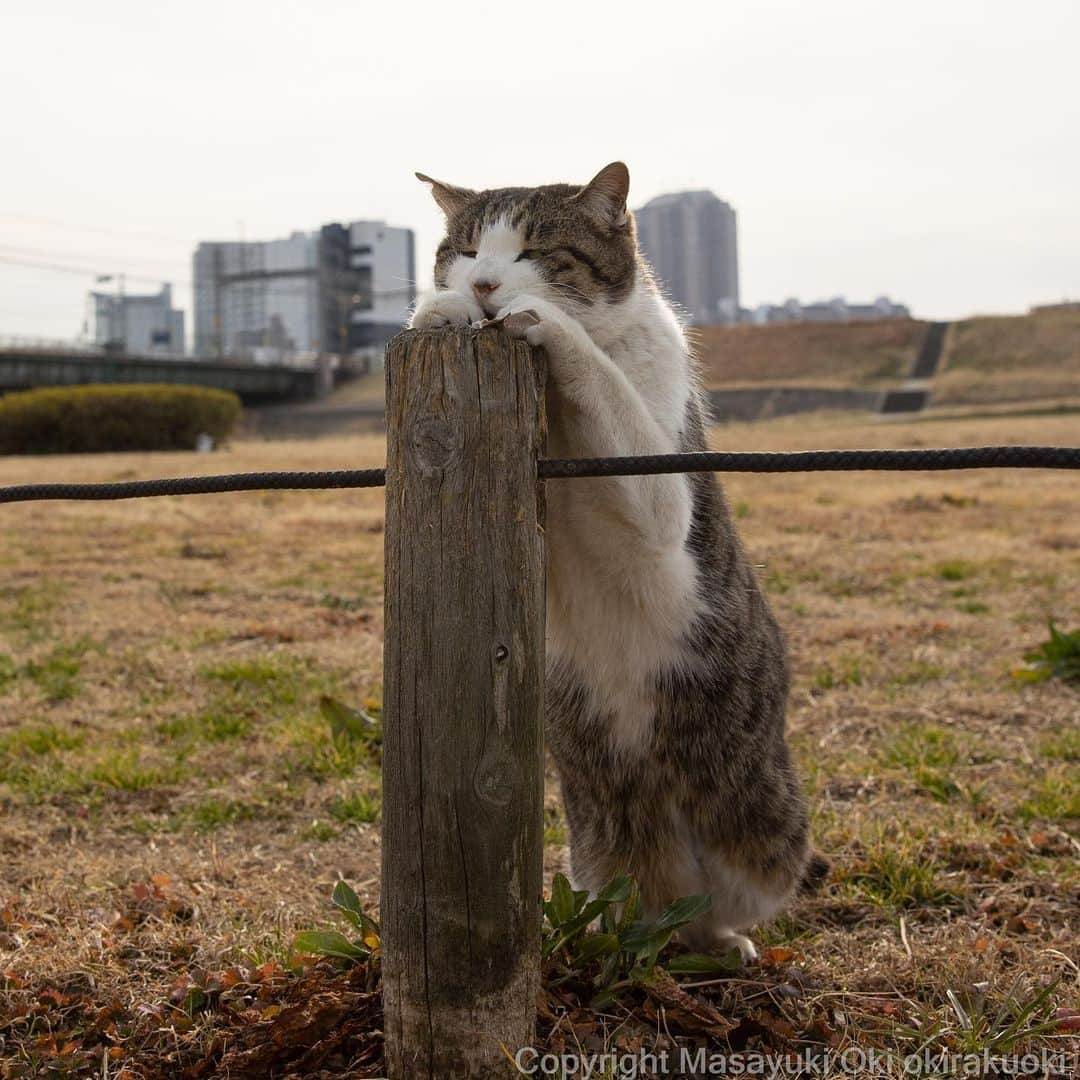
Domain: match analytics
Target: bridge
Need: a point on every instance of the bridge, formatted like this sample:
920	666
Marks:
24	367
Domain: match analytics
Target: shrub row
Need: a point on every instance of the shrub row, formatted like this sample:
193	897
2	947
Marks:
86	419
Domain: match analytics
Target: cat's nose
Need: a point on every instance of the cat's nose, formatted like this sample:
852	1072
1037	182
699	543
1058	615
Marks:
484	287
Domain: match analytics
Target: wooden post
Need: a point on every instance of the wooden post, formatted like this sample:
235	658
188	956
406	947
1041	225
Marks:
462	810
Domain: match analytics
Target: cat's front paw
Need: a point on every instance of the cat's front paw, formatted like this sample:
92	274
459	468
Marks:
551	328
445	309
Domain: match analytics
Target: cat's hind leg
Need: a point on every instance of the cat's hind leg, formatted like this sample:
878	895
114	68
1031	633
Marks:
740	899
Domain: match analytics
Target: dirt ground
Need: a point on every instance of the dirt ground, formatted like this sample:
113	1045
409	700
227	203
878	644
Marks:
173	800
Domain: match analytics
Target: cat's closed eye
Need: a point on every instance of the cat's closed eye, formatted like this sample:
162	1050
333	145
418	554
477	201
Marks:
530	253
468	254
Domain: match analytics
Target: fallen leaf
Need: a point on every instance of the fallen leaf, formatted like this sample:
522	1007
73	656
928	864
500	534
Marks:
777	955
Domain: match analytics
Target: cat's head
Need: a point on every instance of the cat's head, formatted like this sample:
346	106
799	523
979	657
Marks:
572	245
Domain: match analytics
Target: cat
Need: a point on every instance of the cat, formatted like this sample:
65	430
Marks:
667	675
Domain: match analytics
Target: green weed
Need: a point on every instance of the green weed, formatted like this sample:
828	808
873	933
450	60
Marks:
28	608
1055	796
554	828
8	670
931	756
344	603
1063	747
969	1025
260	678
362	808
777	582
956	570
57	674
625	950
847	671
898	877
604	943
127	772
39	739
334	944
1056	658
213	813
921	671
218	724
320	831
350	739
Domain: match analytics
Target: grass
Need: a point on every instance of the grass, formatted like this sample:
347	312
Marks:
213	813
129	771
899	876
555	834
56	674
1054	797
164	713
1062	747
932	758
361	808
38	739
956	570
846	671
27	609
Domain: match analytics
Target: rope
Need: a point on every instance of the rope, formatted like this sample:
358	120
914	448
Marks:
979	457
198	485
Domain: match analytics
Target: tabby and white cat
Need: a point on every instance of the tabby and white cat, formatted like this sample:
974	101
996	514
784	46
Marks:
667	677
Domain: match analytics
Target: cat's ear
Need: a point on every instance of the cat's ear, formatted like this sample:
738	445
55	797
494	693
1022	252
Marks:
605	194
450	199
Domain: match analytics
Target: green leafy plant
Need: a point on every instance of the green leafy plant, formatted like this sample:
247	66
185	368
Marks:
333	943
624	949
604	942
348	725
1056	658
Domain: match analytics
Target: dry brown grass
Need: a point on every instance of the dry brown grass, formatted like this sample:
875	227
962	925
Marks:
988	359
172	801
814	354
993	359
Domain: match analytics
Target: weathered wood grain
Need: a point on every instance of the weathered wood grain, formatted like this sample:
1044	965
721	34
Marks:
462	810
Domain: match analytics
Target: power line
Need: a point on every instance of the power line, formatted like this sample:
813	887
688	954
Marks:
83	271
86	271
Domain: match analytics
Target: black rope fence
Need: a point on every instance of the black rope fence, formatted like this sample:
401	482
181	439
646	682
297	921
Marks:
976	457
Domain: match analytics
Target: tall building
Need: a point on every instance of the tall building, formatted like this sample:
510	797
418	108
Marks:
337	290
142	325
690	240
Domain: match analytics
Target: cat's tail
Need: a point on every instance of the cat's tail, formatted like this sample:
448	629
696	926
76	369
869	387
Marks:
817	870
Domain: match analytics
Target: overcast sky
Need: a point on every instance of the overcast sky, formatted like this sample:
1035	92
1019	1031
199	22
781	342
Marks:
928	150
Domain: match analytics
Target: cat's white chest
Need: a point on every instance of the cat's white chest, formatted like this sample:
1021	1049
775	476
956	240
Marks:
619	619
622	590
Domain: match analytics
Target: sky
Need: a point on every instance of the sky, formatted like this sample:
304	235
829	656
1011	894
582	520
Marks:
926	150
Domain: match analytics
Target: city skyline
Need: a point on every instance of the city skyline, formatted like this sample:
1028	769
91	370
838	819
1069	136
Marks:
335	289
922	155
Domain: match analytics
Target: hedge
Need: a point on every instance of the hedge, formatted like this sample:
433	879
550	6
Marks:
85	419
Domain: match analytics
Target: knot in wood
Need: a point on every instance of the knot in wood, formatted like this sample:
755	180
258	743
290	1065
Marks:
433	442
493	781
